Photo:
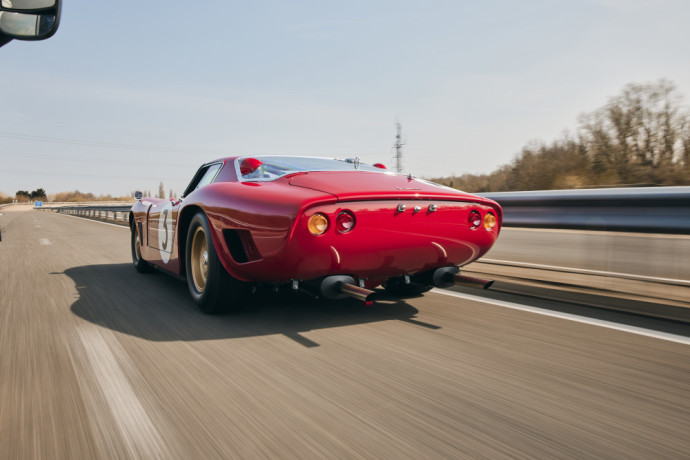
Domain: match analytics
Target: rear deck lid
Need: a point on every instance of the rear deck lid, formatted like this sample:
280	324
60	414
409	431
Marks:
365	185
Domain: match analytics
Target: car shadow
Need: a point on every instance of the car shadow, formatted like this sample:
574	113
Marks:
158	307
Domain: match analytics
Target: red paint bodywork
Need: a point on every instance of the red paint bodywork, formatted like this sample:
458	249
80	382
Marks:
270	218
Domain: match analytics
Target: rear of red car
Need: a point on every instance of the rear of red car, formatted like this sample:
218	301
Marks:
386	225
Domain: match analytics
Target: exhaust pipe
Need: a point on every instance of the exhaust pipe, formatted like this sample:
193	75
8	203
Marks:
461	280
356	292
342	287
448	276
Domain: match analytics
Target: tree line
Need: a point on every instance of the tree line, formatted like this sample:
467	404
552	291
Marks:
23	195
75	196
641	137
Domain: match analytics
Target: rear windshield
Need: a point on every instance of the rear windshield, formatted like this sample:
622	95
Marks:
273	167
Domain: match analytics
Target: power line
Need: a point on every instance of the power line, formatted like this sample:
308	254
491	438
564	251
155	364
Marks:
60	140
44	173
83	160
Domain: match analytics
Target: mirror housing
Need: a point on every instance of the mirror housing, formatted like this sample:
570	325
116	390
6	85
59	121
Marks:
28	19
138	195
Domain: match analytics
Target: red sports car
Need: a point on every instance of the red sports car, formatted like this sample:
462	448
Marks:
335	228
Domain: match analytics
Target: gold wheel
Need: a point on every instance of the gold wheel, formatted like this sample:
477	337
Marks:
199	259
139	263
137	247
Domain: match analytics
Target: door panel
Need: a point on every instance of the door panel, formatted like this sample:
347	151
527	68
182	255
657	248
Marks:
161	228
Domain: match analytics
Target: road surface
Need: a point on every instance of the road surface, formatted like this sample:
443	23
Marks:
99	361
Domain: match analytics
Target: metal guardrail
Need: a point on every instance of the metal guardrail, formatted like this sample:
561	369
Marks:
644	210
117	214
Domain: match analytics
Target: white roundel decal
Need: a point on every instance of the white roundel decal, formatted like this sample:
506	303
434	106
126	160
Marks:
165	232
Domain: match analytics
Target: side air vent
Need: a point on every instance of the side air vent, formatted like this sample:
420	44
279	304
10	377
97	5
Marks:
241	245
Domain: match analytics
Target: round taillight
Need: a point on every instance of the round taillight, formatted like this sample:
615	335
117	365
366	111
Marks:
318	224
249	165
345	222
474	219
489	221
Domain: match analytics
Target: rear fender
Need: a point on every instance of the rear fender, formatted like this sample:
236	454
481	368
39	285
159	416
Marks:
262	215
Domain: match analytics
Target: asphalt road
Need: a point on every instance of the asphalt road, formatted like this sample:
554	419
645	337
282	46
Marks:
98	361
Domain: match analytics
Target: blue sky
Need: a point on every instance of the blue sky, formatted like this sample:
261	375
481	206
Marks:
123	98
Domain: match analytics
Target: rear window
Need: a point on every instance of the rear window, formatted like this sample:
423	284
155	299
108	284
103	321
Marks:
273	167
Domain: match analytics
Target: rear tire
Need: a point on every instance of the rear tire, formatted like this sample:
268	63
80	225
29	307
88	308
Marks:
211	287
140	264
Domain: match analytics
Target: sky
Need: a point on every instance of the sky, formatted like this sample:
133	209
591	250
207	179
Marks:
123	98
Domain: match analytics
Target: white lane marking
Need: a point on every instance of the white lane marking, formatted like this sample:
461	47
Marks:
139	434
94	221
570	317
586	271
45	242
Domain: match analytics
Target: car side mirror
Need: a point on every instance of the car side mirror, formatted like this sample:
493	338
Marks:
28	19
138	195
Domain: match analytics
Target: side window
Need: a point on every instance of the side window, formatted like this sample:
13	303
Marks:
203	176
210	174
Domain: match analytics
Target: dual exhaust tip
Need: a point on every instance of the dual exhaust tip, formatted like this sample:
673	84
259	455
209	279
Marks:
450	276
343	286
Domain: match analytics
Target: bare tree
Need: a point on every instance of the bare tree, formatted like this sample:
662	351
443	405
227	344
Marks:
641	136
638	135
